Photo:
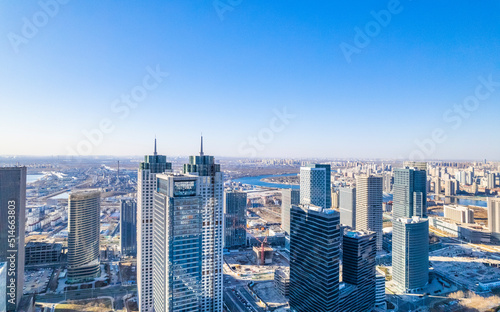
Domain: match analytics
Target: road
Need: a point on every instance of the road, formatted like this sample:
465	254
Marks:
232	302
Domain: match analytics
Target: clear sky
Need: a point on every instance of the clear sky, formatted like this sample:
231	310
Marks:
353	81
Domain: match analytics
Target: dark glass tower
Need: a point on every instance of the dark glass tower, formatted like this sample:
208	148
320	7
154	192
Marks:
12	227
410	193
358	266
128	228
235	211
410	236
314	259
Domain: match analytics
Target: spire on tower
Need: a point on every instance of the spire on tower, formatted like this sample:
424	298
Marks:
201	149
155	145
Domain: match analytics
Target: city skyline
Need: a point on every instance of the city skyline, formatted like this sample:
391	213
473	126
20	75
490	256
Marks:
254	62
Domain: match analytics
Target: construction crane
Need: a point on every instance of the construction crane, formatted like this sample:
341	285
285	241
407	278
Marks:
262	242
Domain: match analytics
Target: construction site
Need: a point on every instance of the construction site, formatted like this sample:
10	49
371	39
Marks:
467	267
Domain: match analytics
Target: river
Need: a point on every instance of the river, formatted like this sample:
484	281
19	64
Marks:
256	181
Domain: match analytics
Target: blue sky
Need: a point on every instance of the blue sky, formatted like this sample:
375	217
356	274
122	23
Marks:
227	77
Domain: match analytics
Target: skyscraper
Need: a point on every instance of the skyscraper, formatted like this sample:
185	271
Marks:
491	180
369	205
12	227
177	244
494	217
211	188
315	185
410	253
235	215
83	236
410	193
128	227
348	206
314	259
410	238
359	250
289	197
146	185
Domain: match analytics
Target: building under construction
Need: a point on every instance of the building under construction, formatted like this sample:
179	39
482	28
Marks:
268	255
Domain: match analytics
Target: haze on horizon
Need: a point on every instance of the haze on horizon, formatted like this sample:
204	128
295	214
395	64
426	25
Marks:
289	79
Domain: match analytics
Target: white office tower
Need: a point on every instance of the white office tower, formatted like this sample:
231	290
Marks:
494	217
177	244
146	185
369	205
212	191
380	291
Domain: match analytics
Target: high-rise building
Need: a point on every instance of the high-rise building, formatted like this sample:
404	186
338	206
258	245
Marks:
128	227
84	228
491	180
12	227
410	253
410	243
211	188
449	188
315	185
177	244
146	185
289	197
494	217
380	290
410	193
369	205
335	199
235	215
347	206
314	259
437	186
359	250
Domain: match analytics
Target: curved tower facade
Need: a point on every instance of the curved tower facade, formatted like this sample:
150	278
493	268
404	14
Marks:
83	236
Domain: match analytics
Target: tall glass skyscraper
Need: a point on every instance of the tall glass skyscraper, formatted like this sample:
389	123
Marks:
177	244
146	185
314	259
235	215
410	193
84	228
359	249
315	185
211	187
12	227
410	253
410	237
128	227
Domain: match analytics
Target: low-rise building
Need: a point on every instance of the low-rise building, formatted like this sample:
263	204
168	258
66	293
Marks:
42	253
282	281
